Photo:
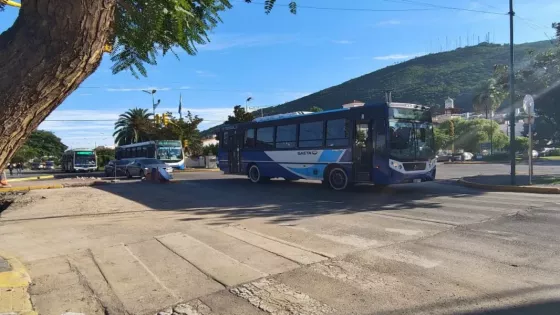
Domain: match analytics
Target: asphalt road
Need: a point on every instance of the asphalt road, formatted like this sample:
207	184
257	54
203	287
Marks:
226	246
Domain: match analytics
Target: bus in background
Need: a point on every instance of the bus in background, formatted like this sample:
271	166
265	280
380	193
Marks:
168	151
383	143
81	160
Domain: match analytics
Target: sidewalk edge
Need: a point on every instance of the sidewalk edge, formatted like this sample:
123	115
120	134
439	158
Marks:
525	189
25	179
14	285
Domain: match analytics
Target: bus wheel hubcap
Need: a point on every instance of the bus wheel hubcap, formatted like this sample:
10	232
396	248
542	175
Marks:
254	174
338	179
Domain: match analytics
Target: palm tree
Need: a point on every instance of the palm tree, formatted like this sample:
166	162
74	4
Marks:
488	98
132	126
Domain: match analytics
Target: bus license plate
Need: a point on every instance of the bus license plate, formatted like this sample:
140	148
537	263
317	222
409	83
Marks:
417	180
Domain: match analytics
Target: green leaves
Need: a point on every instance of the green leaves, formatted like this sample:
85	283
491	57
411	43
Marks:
269	5
239	115
145	29
40	143
132	126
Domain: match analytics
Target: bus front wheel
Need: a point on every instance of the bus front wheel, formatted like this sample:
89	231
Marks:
337	178
254	174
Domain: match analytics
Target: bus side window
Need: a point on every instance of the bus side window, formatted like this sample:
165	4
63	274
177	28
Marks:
250	138
286	137
311	134
338	132
151	151
265	138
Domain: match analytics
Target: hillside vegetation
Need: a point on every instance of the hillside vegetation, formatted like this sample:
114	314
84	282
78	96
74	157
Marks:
426	80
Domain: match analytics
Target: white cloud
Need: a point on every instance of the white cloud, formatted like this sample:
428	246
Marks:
388	22
342	42
227	41
398	56
149	88
99	128
205	74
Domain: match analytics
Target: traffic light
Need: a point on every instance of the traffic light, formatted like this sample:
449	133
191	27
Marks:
157	119
165	119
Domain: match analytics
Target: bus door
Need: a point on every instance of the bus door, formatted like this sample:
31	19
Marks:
363	151
235	141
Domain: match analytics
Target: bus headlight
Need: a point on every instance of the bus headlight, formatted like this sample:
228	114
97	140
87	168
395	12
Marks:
396	165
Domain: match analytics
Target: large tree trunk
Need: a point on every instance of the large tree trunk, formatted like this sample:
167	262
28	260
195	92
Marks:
53	46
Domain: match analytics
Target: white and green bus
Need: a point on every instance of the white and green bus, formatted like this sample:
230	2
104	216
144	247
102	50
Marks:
79	160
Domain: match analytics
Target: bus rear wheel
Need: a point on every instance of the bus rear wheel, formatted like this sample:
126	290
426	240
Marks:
337	178
255	176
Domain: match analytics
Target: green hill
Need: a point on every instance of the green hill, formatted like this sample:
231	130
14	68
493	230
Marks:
426	80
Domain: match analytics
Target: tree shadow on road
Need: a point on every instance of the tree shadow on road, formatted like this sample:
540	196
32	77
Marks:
234	198
523	300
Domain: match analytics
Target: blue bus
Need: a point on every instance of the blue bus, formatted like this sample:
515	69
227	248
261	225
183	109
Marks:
382	143
168	151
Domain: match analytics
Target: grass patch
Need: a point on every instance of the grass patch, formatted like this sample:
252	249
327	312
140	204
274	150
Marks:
547	180
550	158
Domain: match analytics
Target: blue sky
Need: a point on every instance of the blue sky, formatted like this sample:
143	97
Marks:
280	57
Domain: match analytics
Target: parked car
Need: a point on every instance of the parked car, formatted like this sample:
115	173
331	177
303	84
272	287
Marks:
464	156
546	151
120	166
49	165
535	155
139	167
444	158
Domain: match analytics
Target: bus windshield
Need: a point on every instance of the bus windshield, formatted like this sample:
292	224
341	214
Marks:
85	158
411	140
169	153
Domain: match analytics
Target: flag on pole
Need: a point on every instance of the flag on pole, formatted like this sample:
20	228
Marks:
180	105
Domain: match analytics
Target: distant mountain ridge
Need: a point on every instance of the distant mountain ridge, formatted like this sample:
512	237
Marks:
426	80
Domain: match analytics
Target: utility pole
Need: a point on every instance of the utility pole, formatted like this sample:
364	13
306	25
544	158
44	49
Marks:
511	95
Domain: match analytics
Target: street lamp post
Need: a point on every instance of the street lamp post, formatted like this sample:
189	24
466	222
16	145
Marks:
154	104
250	98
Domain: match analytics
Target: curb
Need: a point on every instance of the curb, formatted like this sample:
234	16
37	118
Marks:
525	189
52	186
16	179
194	170
14	297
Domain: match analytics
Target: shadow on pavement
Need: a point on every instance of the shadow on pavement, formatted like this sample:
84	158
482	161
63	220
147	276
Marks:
531	305
235	198
521	180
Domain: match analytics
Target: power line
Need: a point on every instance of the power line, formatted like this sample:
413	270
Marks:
344	9
444	7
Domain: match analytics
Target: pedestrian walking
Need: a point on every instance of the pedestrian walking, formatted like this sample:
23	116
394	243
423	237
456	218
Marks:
11	168
20	168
